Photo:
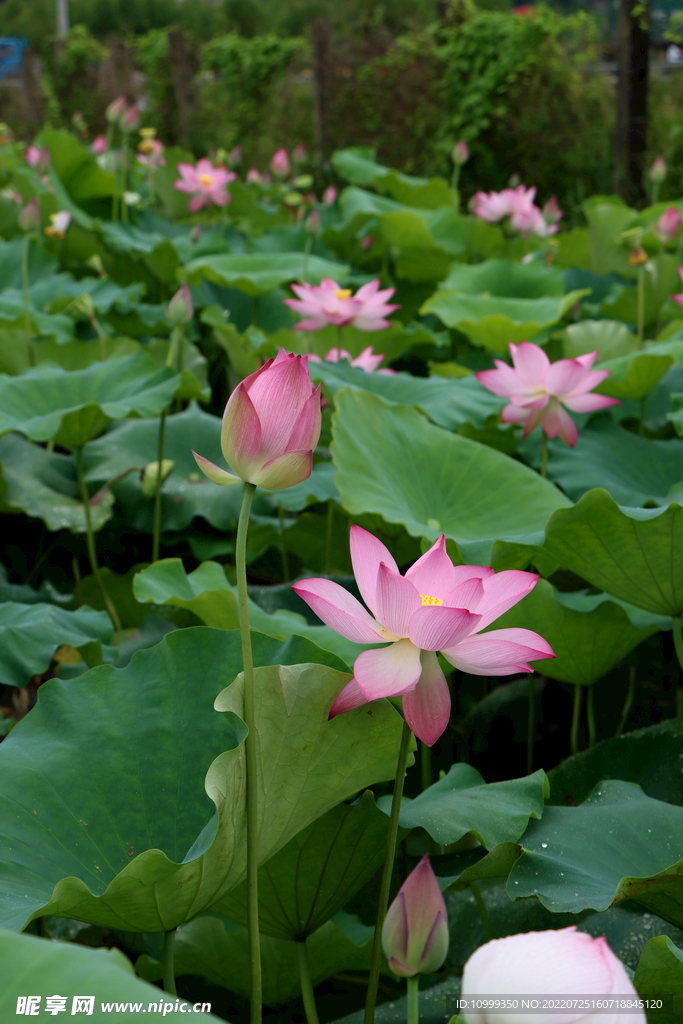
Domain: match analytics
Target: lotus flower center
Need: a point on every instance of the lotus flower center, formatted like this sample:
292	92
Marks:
428	599
206	180
343	293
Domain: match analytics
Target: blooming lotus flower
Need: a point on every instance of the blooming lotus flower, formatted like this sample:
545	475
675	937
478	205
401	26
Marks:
29	218
434	607
562	962
329	195
492	206
415	930
329	303
460	154
538	390
668	225
99	145
205	183
280	165
59	223
367	360
517	204
271	425
180	308
658	170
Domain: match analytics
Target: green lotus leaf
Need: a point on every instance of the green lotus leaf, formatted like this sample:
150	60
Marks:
633	375
432	481
31	633
633	554
618	845
611	338
43	325
660	973
357	165
121	836
258	273
586	644
505	279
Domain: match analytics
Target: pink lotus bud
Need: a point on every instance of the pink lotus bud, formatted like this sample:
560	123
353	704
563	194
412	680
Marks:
552	212
99	145
271	426
254	177
116	110
234	158
669	224
312	223
299	155
32	156
415	932
180	308
131	119
657	172
563	962
280	165
39	159
460	154
329	195
29	218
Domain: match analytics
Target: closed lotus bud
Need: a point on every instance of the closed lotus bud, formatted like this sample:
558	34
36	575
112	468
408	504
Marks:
551	211
131	119
150	476
329	195
658	170
460	154
116	110
415	932
99	145
271	426
669	224
180	308
81	308
29	218
280	165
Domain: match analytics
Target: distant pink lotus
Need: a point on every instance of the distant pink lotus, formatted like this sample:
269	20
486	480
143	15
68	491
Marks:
668	225
329	304
99	145
205	184
329	195
518	204
434	607
538	390
367	360
279	164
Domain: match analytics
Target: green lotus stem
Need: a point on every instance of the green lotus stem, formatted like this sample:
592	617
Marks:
630	693
33	361
590	714
575	720
156	528
531	723
654	195
250	755
641	304
101	337
306	983
173	355
283	546
124	168
544	461
387	869
426	765
413	985
167	963
328	538
483	912
678	645
90	541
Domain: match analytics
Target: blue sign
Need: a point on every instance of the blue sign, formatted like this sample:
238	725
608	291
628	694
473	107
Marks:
11	52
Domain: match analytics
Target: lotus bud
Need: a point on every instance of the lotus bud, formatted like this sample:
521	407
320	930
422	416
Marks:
130	120
312	223
299	155
415	931
271	426
280	165
329	195
116	110
551	211
254	177
150	476
99	145
460	154
81	308
29	218
669	224
180	308
657	172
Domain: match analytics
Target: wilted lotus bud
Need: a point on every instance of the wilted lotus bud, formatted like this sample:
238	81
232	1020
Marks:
329	195
150	476
180	308
657	172
280	165
460	154
29	218
312	223
668	225
415	932
116	110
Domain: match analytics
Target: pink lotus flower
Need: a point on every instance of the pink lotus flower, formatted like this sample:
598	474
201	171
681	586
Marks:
434	607
329	195
367	360
99	145
517	204
415	930
59	224
279	164
205	183
562	962
552	212
271	426
668	225
130	120
39	159
329	303
538	389
492	206
658	170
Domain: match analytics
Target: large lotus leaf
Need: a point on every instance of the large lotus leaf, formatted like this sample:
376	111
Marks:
582	601
633	375
450	403
611	339
634	554
316	873
43	325
586	644
31	633
41	263
618	845
32	966
432	481
409	229
215	949
76	166
660	974
660	281
495	322
105	837
258	273
49	402
652	757
631	468
505	279
357	165
43	484
676	414
607	217
463	803
207	593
